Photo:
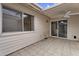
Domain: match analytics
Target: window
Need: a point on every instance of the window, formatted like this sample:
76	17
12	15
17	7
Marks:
16	21
28	22
11	20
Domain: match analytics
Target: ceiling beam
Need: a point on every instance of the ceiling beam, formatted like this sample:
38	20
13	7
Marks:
74	14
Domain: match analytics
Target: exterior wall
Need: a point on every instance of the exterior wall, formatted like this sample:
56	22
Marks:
72	27
0	19
10	42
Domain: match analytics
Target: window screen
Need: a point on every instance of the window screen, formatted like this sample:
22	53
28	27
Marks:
16	21
11	20
28	22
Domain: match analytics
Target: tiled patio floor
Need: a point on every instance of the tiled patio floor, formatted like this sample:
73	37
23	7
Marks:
50	47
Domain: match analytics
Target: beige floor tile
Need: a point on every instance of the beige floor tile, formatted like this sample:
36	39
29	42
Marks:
50	47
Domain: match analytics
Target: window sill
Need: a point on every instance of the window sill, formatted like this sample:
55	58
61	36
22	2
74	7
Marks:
15	33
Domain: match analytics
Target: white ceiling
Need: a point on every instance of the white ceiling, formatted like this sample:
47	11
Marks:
58	11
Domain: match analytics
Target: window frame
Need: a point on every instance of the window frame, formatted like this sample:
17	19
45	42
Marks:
15	32
31	29
3	7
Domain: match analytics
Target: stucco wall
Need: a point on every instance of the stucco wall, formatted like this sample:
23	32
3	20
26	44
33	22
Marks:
10	42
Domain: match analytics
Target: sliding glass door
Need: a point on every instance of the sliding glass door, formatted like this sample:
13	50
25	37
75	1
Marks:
59	28
54	28
62	28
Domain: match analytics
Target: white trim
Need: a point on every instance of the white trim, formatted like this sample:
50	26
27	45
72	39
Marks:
73	14
50	27
0	19
22	22
15	33
59	37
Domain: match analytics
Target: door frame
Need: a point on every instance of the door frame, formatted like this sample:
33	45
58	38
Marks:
57	29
